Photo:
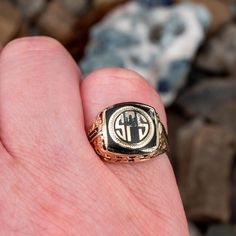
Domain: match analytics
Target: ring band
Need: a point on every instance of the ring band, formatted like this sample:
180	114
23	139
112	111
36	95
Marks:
128	132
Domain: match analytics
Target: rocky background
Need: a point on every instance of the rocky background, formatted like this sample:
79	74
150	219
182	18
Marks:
201	115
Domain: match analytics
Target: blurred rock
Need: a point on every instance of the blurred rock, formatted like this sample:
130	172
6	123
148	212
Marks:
220	12
219	54
31	9
10	21
214	100
204	155
153	3
221	230
155	41
102	2
58	22
76	7
193	230
224	114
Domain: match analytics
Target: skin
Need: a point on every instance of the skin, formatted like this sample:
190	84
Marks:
52	182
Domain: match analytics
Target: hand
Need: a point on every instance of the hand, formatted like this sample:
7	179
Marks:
51	180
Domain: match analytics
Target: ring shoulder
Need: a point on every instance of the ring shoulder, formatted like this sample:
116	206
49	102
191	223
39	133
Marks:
163	140
96	128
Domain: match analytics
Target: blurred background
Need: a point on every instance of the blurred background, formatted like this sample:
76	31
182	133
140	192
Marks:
187	51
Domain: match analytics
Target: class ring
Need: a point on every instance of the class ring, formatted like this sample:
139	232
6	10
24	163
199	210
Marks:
128	132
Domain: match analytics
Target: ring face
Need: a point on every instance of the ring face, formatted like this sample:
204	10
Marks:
130	128
128	132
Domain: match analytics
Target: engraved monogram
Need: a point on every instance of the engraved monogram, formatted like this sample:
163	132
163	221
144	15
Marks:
131	126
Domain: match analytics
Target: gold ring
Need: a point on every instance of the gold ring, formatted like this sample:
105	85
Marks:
128	132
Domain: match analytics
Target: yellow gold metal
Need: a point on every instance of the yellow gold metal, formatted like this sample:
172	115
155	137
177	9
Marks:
97	136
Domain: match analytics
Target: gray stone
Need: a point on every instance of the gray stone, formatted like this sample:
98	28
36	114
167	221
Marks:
110	39
204	158
221	230
219	53
214	100
153	3
150	41
98	61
